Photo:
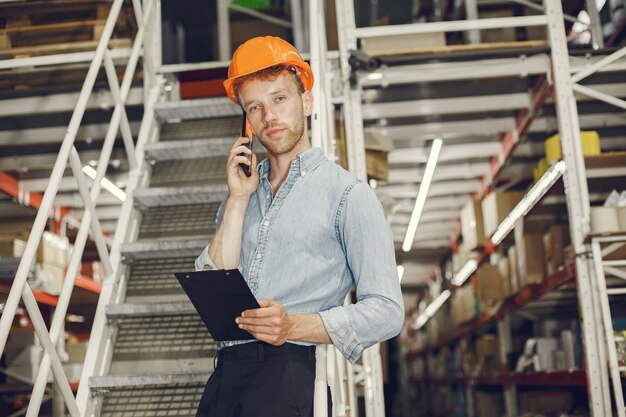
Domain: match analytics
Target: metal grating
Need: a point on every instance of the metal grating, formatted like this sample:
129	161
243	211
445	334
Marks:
196	129
152	401
189	172
156	276
174	221
196	109
176	336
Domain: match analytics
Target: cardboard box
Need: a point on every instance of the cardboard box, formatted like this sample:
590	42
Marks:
54	276
505	274
52	250
535	33
530	258
464	306
377	164
6	247
513	270
491	287
377	148
496	206
489	404
398	44
555	242
545	402
76	352
472	227
499	34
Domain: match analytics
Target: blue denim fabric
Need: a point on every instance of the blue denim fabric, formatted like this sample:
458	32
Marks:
323	232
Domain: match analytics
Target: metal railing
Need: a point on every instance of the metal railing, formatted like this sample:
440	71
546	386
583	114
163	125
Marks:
119	120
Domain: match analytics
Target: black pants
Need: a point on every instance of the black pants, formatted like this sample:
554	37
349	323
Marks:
260	380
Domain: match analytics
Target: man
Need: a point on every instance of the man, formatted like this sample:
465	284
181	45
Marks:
302	231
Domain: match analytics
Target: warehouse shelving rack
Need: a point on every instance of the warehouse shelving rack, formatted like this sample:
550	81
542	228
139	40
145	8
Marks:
581	270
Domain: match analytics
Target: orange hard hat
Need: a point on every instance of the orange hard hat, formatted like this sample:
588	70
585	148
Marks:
263	52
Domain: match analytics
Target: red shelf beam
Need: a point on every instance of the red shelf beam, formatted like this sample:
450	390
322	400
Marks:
576	378
524	296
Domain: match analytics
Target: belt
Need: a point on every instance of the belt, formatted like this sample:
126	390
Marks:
261	350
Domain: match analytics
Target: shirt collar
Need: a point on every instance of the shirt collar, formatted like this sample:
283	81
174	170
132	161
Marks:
306	162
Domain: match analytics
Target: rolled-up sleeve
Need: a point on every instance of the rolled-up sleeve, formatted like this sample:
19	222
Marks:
368	245
204	261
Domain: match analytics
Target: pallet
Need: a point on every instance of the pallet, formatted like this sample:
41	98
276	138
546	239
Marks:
449	49
39	28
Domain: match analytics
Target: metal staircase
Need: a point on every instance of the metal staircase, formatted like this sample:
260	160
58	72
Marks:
162	354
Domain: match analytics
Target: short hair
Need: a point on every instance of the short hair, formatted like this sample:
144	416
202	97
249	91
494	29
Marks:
270	73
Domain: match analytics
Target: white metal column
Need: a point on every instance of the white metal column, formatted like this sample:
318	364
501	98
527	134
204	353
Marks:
577	195
352	94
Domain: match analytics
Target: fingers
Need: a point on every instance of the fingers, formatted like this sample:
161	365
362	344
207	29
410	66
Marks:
268	330
268	308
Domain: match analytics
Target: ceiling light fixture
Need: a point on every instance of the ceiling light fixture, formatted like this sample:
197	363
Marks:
465	272
108	185
528	202
432	308
400	272
421	195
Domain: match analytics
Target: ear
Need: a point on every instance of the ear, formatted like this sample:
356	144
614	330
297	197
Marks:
307	101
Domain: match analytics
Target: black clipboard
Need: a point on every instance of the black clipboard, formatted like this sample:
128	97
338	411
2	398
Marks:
219	296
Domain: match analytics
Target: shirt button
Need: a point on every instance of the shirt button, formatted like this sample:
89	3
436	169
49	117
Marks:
258	256
266	223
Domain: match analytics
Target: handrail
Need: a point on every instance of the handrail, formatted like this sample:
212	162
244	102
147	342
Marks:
68	151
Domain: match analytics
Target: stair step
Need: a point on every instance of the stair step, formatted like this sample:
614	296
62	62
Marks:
159	331
205	108
142	363
173	394
189	149
103	383
199	171
164	248
177	196
168	222
201	129
151	279
117	311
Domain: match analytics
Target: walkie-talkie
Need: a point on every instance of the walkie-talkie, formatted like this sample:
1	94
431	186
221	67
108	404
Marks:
245	132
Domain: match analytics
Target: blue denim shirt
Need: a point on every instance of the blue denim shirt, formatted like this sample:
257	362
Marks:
305	248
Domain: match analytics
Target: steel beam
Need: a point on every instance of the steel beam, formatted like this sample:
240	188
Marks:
449	153
445	172
55	134
450	26
454	105
63	102
407	191
486	127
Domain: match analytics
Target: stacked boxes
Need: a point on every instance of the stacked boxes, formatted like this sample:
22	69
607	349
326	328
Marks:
554	242
472	227
495	208
491	287
52	256
464	306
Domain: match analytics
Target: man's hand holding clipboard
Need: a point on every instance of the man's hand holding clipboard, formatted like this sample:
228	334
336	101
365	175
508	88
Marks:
219	297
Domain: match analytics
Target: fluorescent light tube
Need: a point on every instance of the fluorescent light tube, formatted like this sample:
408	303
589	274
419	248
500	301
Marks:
400	272
465	272
106	184
528	202
432	308
421	195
